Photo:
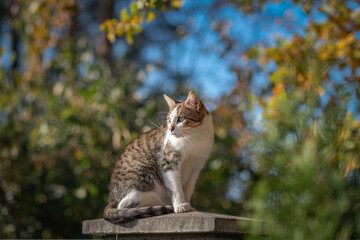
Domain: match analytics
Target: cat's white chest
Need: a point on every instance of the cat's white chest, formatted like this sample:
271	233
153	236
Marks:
197	142
194	148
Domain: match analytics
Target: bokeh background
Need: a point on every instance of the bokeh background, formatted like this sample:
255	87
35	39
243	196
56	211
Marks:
80	79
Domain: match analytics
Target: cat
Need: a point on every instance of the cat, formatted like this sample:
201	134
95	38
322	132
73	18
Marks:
162	165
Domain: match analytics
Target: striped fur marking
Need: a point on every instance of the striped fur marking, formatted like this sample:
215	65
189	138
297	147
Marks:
124	215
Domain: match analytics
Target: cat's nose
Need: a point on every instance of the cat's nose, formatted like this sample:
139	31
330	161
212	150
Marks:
172	127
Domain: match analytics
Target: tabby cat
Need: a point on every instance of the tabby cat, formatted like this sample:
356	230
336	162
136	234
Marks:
161	166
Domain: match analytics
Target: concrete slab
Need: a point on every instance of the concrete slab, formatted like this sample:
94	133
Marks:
176	224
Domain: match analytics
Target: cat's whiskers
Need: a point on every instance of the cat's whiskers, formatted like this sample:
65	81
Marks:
192	135
191	143
158	126
196	136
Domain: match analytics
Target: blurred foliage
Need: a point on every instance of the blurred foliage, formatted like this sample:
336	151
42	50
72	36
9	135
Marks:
307	147
68	107
307	157
130	21
63	123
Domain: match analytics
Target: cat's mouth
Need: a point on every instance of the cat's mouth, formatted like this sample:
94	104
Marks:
176	134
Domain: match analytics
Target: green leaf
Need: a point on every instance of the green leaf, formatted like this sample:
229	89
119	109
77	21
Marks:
129	38
124	15
158	4
134	8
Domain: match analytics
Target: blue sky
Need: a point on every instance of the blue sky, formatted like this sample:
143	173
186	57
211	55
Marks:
198	53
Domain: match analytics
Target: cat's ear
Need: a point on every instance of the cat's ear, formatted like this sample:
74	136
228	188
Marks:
194	101
170	101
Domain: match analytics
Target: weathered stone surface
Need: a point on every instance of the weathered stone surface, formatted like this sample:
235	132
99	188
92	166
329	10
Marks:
199	225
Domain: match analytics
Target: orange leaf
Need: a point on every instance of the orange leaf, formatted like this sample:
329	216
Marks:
351	165
278	89
300	78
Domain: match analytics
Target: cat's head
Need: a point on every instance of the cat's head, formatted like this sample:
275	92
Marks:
185	116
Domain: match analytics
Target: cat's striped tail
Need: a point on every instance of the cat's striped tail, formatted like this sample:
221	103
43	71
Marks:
123	215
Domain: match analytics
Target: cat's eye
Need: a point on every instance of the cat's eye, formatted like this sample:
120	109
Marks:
180	119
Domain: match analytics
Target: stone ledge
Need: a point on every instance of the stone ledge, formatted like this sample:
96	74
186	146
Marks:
198	223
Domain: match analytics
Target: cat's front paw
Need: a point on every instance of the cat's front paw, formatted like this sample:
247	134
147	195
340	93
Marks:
182	207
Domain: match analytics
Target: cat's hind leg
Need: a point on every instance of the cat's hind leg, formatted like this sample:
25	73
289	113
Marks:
137	199
137	204
131	200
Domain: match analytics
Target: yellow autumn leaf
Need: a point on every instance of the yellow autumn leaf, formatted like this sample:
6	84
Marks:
111	37
340	44
176	4
349	38
324	55
340	53
150	16
78	154
133	22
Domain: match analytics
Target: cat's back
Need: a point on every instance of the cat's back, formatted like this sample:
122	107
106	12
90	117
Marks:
139	160
147	145
137	168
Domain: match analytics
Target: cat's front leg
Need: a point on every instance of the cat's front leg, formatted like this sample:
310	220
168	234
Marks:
170	166
190	185
173	183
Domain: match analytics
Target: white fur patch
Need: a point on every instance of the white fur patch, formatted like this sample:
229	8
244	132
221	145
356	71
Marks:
194	147
173	114
157	197
197	141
